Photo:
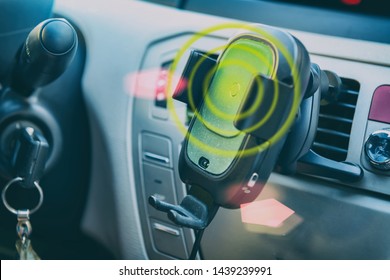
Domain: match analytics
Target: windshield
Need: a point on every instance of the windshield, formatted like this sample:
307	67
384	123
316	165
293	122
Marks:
373	7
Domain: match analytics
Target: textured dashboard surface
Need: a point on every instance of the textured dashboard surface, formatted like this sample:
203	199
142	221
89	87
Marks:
341	221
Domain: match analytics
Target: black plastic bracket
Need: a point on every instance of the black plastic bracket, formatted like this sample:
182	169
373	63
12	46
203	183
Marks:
195	211
316	165
198	66
273	101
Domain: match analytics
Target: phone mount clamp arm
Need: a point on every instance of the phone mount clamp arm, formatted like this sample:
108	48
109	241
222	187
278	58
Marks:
324	89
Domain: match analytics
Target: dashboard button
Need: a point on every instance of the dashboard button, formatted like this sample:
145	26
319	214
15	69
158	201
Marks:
168	239
380	105
158	181
156	149
377	149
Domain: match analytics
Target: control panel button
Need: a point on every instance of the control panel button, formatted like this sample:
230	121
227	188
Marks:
168	239
380	105
156	149
377	149
252	181
158	181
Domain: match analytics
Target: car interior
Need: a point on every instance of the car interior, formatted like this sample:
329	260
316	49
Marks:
194	129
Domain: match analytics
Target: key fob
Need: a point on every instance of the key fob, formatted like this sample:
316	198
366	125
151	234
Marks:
239	128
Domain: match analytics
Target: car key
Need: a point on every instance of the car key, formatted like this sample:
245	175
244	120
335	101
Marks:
23	244
23	227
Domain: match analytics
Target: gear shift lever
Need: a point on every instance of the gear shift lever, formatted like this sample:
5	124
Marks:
45	55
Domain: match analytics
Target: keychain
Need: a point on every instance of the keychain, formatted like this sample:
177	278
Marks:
23	227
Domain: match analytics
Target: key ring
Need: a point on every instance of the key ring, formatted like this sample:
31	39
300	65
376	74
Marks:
13	210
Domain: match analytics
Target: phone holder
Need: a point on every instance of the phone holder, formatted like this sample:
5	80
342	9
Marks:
324	87
278	101
262	101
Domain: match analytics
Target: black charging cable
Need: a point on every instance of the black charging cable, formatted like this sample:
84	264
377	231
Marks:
196	246
196	211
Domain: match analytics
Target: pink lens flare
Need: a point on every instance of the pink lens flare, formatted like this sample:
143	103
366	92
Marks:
268	212
152	84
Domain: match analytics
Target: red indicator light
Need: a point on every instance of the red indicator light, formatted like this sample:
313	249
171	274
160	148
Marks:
351	2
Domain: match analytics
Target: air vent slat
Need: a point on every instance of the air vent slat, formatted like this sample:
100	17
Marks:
333	132
336	118
349	91
329	147
345	105
335	123
339	111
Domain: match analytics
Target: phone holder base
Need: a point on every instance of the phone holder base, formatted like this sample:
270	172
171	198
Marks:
196	210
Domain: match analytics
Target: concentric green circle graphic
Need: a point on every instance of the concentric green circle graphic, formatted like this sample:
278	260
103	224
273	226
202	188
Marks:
248	30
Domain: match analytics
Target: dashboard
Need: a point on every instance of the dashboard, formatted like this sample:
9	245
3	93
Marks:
333	205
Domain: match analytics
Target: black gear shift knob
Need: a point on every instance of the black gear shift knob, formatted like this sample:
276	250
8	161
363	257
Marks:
47	52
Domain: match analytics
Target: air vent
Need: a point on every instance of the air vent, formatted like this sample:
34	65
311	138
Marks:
335	122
